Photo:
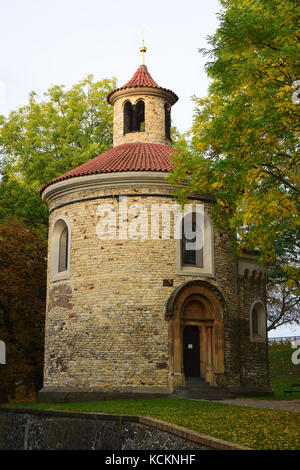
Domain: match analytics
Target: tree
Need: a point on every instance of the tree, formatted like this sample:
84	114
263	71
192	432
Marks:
48	137
22	304
245	145
180	141
38	142
283	306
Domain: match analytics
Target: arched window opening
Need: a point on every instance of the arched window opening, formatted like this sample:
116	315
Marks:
63	251
168	121
128	117
2	352
258	322
60	250
192	241
139	115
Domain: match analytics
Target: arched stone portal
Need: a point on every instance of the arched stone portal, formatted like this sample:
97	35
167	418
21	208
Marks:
196	308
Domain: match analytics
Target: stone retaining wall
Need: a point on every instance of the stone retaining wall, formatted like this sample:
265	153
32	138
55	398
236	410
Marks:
33	429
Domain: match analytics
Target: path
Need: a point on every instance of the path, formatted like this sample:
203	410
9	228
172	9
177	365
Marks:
293	405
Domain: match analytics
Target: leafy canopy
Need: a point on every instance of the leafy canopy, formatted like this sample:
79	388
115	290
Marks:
245	145
48	137
22	303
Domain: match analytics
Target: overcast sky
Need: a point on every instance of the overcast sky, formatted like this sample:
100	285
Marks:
61	41
44	43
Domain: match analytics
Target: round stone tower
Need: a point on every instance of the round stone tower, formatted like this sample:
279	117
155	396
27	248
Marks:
131	309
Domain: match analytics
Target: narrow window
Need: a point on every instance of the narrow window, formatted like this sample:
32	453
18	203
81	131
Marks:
258	322
254	322
60	250
192	242
2	353
63	251
168	121
128	117
139	115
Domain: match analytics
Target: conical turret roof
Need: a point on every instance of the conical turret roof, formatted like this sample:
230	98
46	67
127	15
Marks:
141	79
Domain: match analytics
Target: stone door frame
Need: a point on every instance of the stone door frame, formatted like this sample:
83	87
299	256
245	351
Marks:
211	330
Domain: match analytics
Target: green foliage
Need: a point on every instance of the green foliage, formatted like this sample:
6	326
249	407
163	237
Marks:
245	145
22	304
21	201
48	137
38	142
180	141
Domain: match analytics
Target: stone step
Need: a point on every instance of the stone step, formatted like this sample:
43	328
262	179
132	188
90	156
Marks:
196	382
212	391
205	396
202	397
198	388
194	379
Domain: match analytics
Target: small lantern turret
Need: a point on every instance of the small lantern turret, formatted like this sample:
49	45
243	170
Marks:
142	109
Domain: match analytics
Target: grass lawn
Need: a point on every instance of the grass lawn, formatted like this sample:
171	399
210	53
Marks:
254	428
283	372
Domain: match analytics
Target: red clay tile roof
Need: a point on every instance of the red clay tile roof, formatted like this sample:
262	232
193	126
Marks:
126	157
141	78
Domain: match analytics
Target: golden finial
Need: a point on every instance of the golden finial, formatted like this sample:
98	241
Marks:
143	48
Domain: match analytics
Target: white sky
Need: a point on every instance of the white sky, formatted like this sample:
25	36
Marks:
44	43
61	41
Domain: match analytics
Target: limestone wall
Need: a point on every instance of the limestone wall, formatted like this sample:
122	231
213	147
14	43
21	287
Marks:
154	120
105	325
254	354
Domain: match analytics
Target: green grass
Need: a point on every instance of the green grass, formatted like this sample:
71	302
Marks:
251	427
254	428
283	372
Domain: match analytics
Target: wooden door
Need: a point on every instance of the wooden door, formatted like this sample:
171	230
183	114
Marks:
191	351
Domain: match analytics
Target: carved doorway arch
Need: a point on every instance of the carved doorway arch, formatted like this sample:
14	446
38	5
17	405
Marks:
198	304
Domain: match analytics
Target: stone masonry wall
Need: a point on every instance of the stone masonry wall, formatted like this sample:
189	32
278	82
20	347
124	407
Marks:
33	429
105	325
254	371
154	121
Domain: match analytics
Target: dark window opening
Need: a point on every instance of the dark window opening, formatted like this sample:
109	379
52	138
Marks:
254	322
168	121
63	251
191	254
128	117
134	117
139	114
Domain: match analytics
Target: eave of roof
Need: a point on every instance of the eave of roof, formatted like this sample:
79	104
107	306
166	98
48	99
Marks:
137	156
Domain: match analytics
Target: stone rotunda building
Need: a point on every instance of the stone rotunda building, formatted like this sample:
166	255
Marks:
138	315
